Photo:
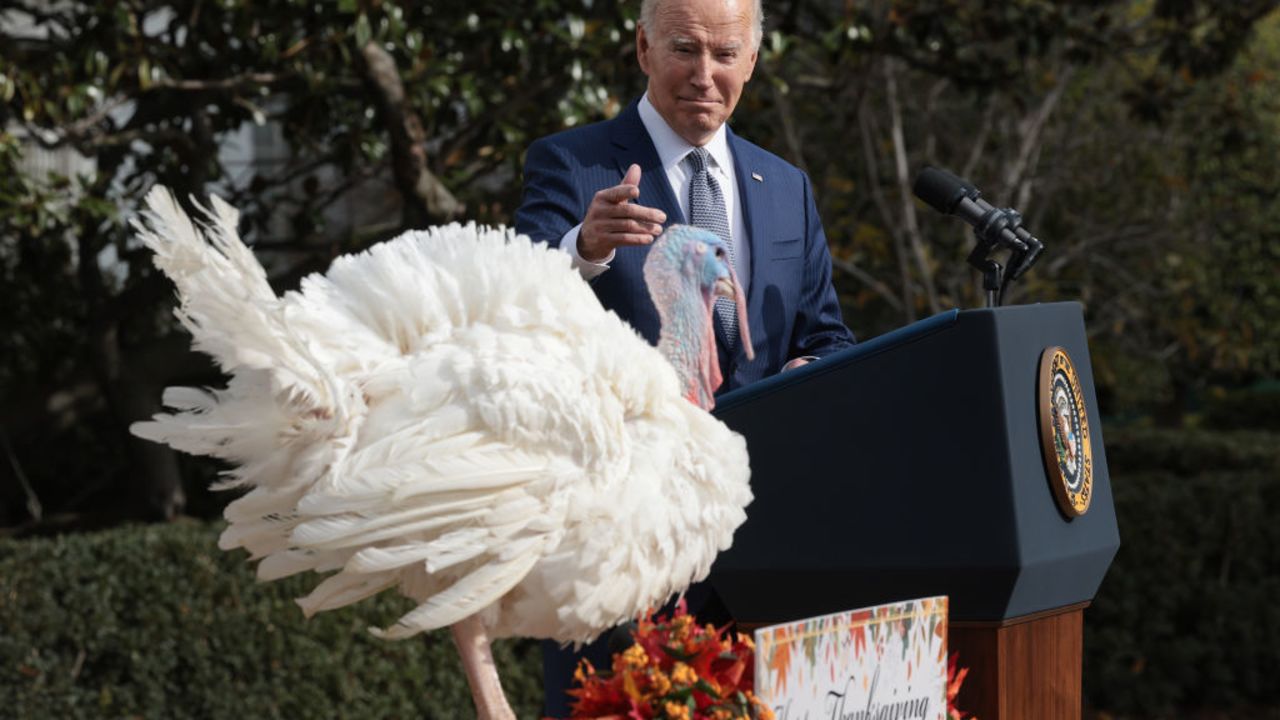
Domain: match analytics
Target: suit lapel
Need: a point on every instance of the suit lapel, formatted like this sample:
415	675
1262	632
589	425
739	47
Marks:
632	144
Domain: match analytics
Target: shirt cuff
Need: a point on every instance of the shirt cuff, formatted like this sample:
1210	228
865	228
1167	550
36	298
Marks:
588	269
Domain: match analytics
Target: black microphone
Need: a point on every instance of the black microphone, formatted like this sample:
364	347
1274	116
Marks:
994	227
950	195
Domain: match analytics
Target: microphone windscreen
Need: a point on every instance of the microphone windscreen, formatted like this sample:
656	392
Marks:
942	190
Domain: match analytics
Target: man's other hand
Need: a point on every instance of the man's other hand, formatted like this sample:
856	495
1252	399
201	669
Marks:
798	362
612	221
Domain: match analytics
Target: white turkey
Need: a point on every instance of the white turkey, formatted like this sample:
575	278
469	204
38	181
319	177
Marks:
451	414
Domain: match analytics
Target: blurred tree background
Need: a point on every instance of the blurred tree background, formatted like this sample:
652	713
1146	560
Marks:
1139	138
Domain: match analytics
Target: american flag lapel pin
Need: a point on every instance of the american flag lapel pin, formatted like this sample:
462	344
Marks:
757	177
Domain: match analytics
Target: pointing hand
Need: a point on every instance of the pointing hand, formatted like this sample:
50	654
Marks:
613	221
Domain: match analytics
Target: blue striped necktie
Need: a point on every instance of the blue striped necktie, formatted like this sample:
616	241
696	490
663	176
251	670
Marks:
706	211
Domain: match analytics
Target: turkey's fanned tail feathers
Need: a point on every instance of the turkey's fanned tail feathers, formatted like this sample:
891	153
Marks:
226	302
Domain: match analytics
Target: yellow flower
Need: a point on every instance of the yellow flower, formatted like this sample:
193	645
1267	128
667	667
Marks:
683	674
630	688
635	656
676	711
680	627
661	683
763	712
580	675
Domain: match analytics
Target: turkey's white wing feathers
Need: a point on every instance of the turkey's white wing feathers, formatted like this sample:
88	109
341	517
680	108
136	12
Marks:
467	596
346	532
285	562
380	559
451	414
343	589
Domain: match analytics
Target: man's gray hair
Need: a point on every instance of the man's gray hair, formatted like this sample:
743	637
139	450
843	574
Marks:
649	7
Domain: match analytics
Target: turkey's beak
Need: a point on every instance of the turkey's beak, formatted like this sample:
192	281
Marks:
729	287
726	288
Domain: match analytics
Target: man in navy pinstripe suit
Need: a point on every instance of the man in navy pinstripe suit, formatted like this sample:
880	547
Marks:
603	192
578	184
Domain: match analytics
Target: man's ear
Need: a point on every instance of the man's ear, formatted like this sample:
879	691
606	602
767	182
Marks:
642	48
751	68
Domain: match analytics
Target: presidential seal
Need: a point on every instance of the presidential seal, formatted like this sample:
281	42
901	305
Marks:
1064	433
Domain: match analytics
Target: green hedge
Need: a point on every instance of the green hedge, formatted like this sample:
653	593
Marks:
1255	408
1189	615
156	622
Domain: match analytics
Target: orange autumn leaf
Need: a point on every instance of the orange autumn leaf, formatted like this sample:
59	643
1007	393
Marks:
779	664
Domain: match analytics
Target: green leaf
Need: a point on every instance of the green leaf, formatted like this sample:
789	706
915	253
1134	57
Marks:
677	654
706	688
363	31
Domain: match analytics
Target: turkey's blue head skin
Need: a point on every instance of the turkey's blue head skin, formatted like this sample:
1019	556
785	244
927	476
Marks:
686	269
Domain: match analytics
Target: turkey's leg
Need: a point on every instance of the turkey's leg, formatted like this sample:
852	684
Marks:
482	675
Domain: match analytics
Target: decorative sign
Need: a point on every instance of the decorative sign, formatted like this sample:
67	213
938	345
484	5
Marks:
1064	433
888	661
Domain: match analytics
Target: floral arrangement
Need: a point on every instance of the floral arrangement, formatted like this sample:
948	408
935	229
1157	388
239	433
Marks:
674	669
678	670
955	678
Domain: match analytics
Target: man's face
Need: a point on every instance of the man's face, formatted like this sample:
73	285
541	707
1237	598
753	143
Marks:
698	56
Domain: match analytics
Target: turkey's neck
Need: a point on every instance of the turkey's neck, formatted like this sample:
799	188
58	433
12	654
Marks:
688	342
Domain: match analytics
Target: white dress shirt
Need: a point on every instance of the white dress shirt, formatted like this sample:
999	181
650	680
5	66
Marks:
672	150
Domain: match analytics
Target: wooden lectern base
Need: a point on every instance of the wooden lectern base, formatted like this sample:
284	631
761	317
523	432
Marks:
1025	668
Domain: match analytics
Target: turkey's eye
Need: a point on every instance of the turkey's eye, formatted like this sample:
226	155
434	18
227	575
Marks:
720	253
700	248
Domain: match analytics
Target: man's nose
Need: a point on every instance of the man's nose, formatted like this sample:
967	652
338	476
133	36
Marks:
702	72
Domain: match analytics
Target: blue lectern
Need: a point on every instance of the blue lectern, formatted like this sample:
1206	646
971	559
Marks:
914	464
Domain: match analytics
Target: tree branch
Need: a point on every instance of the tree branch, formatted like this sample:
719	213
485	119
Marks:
426	199
877	196
862	276
979	140
232	83
1031	128
912	224
783	106
88	142
34	508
